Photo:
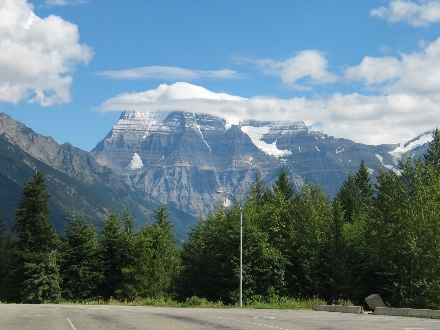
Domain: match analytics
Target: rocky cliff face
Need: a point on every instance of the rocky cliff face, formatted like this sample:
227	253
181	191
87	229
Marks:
184	158
76	180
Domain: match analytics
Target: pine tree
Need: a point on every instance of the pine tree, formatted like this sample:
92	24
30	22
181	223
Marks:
334	274
210	258
432	156
350	199
258	192
6	256
364	184
81	268
154	261
165	259
283	186
42	279
37	270
312	213
112	246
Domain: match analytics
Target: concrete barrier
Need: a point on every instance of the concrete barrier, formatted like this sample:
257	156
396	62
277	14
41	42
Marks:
339	308
426	313
392	311
419	313
435	314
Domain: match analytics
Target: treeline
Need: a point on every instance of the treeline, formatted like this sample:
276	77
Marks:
381	237
39	266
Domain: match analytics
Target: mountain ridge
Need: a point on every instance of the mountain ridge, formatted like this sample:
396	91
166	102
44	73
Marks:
71	167
183	158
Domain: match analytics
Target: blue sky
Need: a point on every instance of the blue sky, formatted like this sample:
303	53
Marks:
364	70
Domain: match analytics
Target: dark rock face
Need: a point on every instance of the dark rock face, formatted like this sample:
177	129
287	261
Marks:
76	180
184	158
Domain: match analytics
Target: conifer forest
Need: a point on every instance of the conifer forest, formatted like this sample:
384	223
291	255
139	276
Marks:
378	234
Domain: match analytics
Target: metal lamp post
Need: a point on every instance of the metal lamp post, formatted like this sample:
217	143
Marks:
241	243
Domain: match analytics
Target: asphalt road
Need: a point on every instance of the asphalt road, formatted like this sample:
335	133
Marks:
81	317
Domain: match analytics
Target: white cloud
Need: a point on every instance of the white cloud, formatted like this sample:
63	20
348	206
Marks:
169	73
37	56
308	65
375	70
417	73
366	119
406	101
420	13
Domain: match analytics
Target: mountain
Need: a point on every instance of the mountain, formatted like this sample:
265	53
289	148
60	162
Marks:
183	158
75	180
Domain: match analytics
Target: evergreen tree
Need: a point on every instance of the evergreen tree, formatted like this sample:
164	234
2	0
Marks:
263	266
36	270
312	213
283	186
34	230
165	259
42	279
364	184
258	192
432	156
356	194
154	263
6	257
81	268
112	246
334	273
210	258
350	199
405	244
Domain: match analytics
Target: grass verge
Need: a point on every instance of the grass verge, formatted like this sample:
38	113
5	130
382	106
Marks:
255	302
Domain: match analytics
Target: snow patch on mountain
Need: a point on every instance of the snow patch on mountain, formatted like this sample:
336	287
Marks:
203	138
256	133
410	145
140	123
390	167
136	162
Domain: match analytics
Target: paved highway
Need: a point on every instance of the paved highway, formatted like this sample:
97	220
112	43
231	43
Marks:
81	317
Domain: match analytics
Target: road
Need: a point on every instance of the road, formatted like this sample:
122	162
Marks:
81	317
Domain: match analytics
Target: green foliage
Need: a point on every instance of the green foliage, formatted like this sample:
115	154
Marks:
276	302
113	252
154	260
297	245
34	230
282	185
432	156
36	269
406	234
42	279
80	266
312	213
210	258
349	198
363	183
6	257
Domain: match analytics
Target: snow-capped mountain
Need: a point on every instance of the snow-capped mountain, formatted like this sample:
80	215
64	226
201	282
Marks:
183	158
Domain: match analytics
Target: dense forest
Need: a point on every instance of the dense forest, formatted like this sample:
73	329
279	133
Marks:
372	237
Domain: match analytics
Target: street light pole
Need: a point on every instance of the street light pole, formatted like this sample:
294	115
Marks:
241	243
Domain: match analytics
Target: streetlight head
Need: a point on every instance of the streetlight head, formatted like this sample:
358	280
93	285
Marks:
220	191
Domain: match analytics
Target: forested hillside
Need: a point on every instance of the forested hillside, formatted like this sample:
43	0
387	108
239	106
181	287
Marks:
371	238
